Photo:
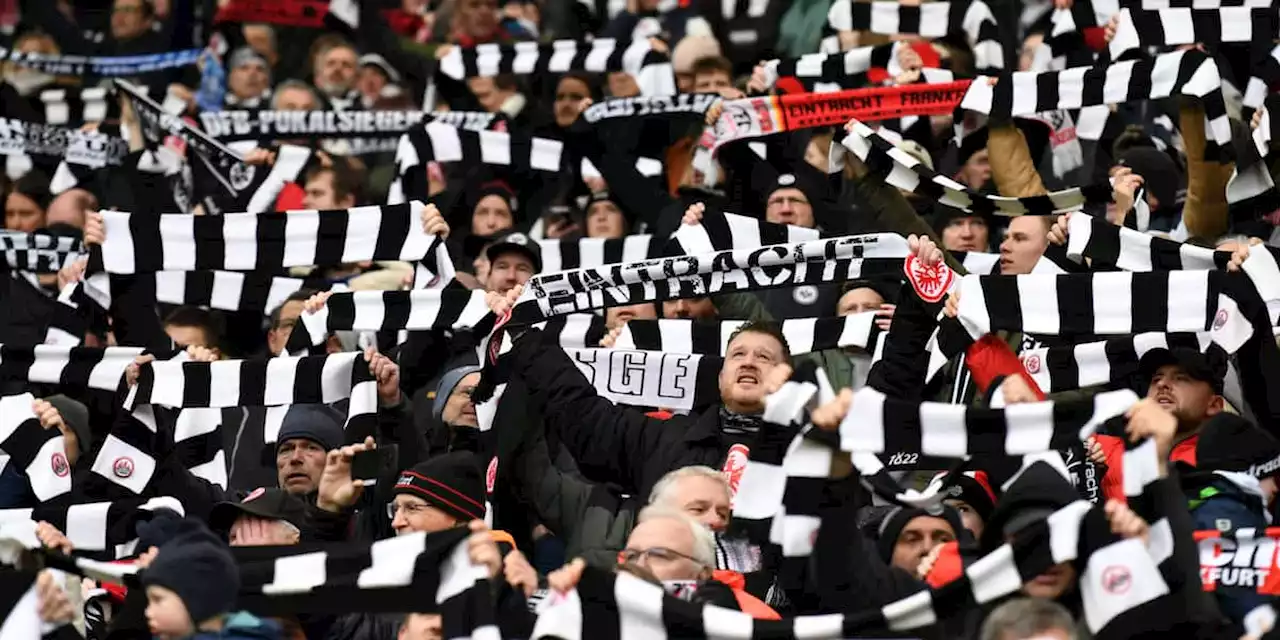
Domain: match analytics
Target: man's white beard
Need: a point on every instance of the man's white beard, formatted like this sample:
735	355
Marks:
333	90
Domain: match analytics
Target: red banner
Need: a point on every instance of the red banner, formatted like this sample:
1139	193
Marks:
807	110
1240	561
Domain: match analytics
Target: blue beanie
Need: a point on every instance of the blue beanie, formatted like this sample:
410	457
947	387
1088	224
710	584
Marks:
448	382
199	568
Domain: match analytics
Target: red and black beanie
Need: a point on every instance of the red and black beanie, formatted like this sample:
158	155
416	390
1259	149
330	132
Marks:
452	482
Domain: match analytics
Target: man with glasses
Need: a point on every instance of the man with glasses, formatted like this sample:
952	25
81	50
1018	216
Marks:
679	553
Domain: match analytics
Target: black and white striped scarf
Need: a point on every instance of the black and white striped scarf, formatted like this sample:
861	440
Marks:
39	453
440	142
787	480
558	255
84	367
825	72
261	242
651	68
86	148
76	107
38	252
418	310
1107	244
387	576
930	20
804	335
1083	365
1026	93
809	262
108	526
728	231
128	457
902	170
1110	303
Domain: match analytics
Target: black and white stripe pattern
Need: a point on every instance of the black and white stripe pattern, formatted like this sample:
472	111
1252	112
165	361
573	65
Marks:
558	255
386	576
878	424
1107	244
84	367
978	261
39	453
804	335
438	142
1111	303
38	252
652	69
1089	364
73	108
811	262
225	290
574	331
778	501
261	242
728	231
1189	73
1177	26
929	20
828	72
418	310
1096	13
904	171
788	480
127	457
96	526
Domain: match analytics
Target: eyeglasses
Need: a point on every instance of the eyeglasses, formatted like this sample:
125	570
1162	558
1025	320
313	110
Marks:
636	556
409	509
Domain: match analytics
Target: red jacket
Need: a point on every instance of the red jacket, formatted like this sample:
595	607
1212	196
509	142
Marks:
1113	449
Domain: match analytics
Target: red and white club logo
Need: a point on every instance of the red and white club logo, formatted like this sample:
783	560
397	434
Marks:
491	476
122	467
930	283
60	466
1116	579
1032	363
1220	319
735	462
255	494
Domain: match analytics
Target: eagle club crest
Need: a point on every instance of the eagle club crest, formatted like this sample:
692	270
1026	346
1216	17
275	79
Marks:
241	175
122	467
930	283
735	462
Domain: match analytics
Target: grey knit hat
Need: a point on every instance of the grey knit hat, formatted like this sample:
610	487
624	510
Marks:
448	382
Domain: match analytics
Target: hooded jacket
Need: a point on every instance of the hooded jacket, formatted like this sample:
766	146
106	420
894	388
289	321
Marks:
1221	503
243	626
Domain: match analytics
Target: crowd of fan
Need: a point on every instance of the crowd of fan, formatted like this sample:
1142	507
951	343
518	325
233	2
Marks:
594	483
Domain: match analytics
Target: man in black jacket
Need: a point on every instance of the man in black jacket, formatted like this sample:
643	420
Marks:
622	445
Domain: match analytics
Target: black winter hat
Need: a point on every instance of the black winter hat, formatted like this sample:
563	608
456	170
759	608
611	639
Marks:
162	527
451	482
1159	174
1228	442
893	524
1038	491
199	568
